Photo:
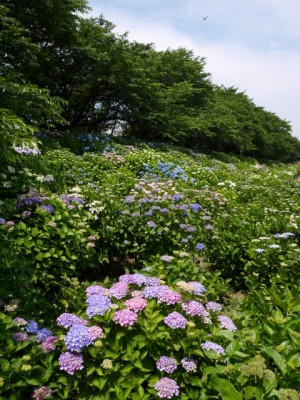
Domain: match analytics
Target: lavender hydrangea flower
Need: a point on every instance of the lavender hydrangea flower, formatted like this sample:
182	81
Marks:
213	306
151	224
2	221
125	317
175	320
77	338
20	337
152	281
32	327
135	279
95	332
150	292
71	362
213	346
166	388
48	344
196	287
43	334
226	323
19	321
168	296
136	304
42	393
66	320
166	364
189	364
195	207
119	290
48	209
194	308
177	197
200	246
96	289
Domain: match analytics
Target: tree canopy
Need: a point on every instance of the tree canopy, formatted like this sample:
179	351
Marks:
61	70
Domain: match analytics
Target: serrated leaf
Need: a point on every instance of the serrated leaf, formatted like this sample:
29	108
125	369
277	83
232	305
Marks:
277	358
225	388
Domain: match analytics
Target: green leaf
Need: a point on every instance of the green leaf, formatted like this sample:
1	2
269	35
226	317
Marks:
225	388
277	358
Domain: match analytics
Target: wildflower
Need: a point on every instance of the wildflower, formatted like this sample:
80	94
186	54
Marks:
166	364
226	322
136	304
213	346
125	317
189	364
194	308
48	344
213	306
166	388
71	362
66	320
175	320
42	393
200	247
77	338
107	364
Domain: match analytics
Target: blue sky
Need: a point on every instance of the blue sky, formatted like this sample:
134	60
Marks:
253	45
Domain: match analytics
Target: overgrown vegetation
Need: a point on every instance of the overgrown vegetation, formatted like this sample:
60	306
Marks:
131	267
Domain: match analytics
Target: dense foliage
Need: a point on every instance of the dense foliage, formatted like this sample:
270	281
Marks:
59	69
143	271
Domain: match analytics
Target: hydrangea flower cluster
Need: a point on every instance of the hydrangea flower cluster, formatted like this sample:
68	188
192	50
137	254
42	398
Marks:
42	393
189	364
166	388
71	362
166	364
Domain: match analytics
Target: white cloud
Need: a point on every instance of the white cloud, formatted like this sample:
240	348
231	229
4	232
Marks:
270	77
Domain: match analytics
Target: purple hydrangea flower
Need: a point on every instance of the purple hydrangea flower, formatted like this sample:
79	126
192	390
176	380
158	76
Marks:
43	334
20	337
191	229
164	210
129	199
125	317
166	364
66	320
189	364
226	323
213	306
195	207
177	197
48	344
71	362
135	279
42	393
200	246
32	327
196	287
168	296
2	221
150	292
19	321
136	304
96	289
208	227
175	320
152	281
48	209
213	346
151	224
95	332
166	388
77	338
119	290
193	307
